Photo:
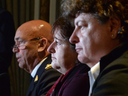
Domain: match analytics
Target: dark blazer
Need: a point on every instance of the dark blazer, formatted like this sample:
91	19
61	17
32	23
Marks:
113	77
74	83
46	79
4	84
7	32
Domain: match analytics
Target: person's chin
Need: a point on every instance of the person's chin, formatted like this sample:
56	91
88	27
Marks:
21	65
81	58
54	66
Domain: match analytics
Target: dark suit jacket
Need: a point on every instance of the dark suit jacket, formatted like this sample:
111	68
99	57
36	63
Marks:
113	77
4	84
46	78
7	32
74	83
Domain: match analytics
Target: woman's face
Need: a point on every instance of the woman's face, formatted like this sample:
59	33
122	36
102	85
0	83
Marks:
92	39
63	56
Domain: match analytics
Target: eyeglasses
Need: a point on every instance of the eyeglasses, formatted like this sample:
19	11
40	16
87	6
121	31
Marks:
20	43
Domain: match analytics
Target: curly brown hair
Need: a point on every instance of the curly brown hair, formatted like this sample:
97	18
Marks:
100	9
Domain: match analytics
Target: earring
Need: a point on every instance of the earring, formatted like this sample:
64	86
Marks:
112	36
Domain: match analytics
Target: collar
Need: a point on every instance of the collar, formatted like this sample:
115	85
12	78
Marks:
37	67
93	74
95	70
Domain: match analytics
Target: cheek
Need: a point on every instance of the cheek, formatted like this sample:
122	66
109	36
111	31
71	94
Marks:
61	56
68	56
29	55
90	38
24	56
85	36
58	57
23	53
85	43
22	61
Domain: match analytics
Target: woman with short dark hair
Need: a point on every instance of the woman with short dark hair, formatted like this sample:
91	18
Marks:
74	78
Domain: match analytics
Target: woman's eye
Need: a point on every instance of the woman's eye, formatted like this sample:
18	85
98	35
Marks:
58	43
81	27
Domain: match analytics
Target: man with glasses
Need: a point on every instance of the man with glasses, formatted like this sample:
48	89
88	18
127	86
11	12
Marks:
31	42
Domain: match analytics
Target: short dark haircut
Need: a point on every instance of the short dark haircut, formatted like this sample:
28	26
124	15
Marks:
66	28
100	9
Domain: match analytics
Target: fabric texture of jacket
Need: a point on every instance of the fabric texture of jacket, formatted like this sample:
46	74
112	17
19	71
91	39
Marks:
7	32
74	83
43	80
113	77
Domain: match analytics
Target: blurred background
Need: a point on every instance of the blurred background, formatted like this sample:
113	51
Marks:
23	11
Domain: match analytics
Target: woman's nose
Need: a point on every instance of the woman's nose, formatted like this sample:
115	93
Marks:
51	49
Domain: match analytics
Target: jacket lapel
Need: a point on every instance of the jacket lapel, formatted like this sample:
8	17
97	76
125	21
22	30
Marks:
38	74
31	87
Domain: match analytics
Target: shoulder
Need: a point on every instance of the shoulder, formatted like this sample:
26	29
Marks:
46	81
76	86
78	73
48	72
113	75
77	82
81	68
51	73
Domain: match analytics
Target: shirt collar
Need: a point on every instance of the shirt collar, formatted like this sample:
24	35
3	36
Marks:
37	67
95	70
93	74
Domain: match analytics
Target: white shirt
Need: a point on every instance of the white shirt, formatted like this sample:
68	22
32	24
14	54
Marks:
37	67
93	74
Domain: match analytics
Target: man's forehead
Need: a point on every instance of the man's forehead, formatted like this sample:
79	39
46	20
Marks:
21	35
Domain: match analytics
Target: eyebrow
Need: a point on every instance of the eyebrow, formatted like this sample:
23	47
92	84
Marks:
18	38
56	38
81	21
78	22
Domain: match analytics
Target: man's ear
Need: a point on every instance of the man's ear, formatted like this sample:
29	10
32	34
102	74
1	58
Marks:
42	45
115	25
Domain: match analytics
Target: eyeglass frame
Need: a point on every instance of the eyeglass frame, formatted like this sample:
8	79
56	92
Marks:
15	47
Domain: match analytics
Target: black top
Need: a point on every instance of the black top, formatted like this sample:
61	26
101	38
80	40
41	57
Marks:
113	77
